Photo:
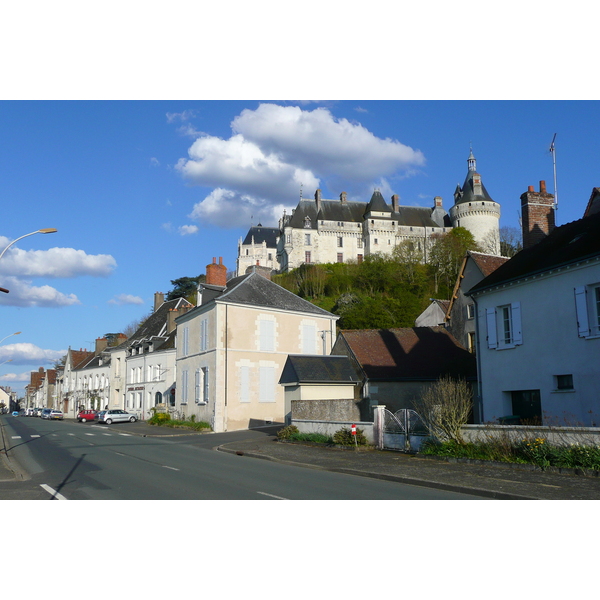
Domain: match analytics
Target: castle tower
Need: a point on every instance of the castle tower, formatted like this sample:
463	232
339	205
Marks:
475	210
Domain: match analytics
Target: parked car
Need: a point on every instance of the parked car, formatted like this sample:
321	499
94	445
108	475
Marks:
46	413
86	415
56	414
37	412
114	415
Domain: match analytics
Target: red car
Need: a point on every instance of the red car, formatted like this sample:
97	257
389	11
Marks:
86	415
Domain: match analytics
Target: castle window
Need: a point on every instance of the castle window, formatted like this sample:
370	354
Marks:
359	243
307	239
340	242
359	258
307	223
340	257
307	257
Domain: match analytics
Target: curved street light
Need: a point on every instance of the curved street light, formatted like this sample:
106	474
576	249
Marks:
4	338
47	230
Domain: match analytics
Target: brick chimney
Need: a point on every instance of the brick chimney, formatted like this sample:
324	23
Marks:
537	215
395	203
344	198
216	274
101	344
171	316
159	298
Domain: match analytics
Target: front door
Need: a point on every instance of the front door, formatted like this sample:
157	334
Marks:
527	405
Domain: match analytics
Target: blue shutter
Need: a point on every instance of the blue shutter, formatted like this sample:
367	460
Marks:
581	308
492	334
517	333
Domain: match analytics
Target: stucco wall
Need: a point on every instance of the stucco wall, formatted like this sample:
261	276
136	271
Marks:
325	410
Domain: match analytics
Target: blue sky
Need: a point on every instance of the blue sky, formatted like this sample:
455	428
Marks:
143	192
134	138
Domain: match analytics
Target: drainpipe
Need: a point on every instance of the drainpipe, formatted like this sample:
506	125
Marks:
478	359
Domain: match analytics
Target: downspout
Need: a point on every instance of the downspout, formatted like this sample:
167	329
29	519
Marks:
478	360
226	370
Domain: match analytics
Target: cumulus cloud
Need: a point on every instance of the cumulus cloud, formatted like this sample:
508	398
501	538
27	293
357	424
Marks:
188	229
16	377
126	299
22	293
55	262
274	150
28	354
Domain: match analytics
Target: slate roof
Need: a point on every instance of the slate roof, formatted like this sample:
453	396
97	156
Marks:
411	354
255	290
467	194
262	234
318	369
354	212
567	244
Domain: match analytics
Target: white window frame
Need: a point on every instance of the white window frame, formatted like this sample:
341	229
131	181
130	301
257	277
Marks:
504	327
587	308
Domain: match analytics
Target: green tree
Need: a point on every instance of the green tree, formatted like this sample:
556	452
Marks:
185	287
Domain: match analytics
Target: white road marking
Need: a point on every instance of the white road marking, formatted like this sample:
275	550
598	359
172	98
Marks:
52	492
90	434
34	435
272	496
16	437
172	468
125	434
107	434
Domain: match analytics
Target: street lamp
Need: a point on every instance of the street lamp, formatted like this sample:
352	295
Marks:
47	230
16	333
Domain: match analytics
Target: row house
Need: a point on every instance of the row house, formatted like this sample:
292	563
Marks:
41	390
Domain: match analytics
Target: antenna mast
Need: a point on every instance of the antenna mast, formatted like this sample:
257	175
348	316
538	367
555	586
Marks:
553	151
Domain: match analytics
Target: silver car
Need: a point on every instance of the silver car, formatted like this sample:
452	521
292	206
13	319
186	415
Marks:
115	415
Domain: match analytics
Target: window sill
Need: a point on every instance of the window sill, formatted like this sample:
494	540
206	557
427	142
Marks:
572	391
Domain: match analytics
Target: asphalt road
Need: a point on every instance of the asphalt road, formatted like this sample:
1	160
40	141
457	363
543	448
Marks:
65	460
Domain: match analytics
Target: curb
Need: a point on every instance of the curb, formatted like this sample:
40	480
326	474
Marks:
396	478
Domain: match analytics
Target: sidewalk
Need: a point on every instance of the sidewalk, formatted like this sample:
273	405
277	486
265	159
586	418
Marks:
497	481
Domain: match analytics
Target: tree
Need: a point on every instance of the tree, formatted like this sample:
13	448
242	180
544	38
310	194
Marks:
445	407
185	287
510	241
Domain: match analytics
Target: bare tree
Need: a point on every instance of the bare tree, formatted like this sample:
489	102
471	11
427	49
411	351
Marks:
445	407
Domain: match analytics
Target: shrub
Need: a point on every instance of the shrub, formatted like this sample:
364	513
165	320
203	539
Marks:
287	432
159	418
319	438
344	437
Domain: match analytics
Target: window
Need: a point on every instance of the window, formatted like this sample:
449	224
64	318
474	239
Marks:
504	326
267	335
288	238
309	339
185	343
267	384
470	311
563	382
201	386
307	257
587	306
244	384
340	242
359	243
340	257
204	335
184	387
307	239
359	258
471	342
376	241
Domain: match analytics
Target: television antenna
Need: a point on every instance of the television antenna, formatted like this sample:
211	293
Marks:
553	151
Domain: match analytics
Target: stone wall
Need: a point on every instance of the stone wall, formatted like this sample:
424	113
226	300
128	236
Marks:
325	410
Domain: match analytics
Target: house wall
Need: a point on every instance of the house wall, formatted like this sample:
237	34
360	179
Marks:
550	346
243	378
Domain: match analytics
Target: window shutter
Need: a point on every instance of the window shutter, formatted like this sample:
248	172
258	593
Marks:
517	334
197	386
244	384
267	336
583	323
492	334
267	383
309	334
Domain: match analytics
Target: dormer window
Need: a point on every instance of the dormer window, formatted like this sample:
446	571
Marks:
307	223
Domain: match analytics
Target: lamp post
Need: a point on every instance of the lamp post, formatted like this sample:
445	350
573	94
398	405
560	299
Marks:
4	338
47	230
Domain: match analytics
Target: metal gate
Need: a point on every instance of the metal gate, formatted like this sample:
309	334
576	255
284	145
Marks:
403	430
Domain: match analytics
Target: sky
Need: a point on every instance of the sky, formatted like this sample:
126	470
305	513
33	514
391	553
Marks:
143	192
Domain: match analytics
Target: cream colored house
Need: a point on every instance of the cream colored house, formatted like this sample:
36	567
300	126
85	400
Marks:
232	347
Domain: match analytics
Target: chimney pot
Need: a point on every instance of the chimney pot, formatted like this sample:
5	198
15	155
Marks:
542	187
530	188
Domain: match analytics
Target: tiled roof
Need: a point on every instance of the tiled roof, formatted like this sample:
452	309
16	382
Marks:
487	263
79	358
567	244
318	369
417	353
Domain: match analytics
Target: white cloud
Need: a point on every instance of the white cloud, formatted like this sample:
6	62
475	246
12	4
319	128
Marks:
126	299
55	262
182	116
154	162
22	293
276	149
29	354
16	377
188	229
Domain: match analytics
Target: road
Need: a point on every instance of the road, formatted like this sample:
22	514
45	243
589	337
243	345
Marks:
65	460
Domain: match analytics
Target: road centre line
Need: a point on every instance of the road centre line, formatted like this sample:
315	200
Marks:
52	492
15	437
172	468
34	435
272	496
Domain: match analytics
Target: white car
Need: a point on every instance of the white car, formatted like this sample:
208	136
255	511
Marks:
114	415
56	414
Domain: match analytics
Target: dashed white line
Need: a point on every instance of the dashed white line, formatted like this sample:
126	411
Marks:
52	492
172	468
16	437
272	496
33	435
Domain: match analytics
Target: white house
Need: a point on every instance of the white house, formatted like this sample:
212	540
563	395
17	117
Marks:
232	347
538	329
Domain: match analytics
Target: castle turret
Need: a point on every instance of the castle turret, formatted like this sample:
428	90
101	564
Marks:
475	210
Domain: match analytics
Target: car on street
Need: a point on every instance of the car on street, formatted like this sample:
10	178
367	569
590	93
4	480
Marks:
114	415
56	414
86	415
46	413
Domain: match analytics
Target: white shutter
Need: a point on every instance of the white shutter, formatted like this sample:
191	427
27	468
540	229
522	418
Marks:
184	386
267	384
244	384
267	336
492	334
197	387
517	332
309	334
583	323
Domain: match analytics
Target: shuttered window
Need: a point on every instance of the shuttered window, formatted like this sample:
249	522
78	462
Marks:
267	384
267	336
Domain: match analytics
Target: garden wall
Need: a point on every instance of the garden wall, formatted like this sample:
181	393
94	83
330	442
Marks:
330	427
558	436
